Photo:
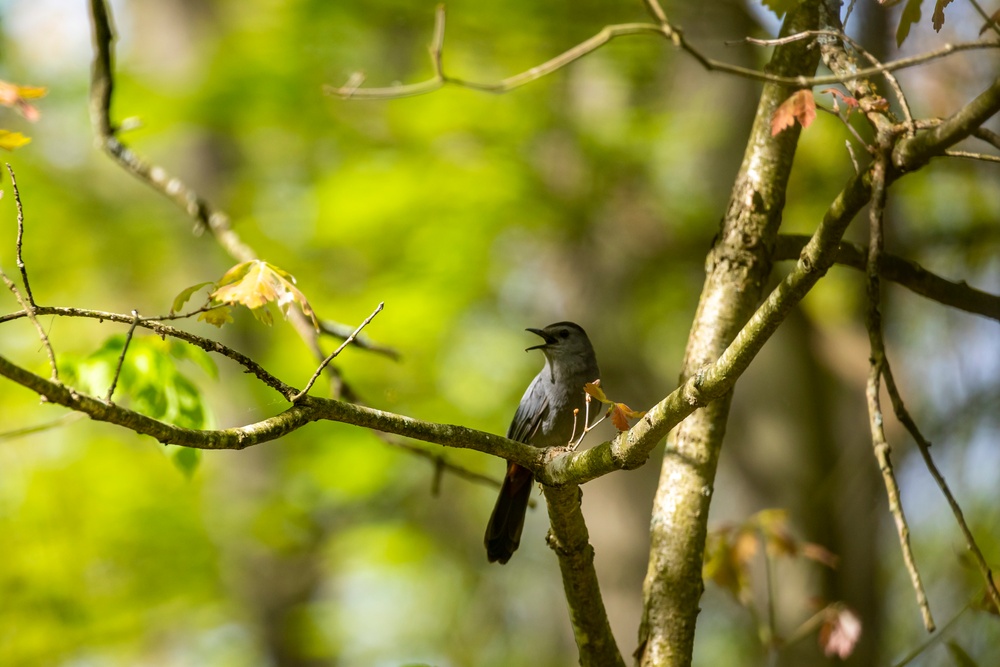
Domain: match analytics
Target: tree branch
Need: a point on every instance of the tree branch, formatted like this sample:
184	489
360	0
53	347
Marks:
569	539
903	272
196	207
914	152
873	322
353	89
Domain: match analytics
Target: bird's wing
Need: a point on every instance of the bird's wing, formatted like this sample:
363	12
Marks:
530	412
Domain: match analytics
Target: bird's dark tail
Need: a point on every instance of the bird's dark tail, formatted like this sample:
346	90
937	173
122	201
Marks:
503	533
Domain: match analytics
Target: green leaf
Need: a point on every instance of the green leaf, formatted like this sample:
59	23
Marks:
910	15
149	381
186	459
186	294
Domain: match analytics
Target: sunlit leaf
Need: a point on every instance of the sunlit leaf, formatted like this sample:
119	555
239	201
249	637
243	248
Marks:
256	284
621	413
149	380
11	140
217	316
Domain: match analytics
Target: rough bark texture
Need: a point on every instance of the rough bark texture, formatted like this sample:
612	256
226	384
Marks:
737	268
569	538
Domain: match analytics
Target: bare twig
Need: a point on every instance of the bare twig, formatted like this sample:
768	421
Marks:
333	355
904	417
20	236
59	422
206	216
873	321
121	357
985	157
609	32
28	304
161	329
342	331
991	23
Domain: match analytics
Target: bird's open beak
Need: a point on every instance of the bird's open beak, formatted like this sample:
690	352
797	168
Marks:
546	337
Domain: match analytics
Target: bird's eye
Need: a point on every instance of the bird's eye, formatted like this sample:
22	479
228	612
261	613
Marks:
564	334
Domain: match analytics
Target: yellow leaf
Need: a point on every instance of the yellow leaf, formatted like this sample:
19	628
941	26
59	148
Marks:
11	140
255	284
217	316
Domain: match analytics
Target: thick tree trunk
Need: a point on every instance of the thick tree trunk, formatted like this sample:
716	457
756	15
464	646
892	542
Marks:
737	269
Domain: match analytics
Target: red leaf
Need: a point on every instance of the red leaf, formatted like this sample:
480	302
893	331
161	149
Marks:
800	106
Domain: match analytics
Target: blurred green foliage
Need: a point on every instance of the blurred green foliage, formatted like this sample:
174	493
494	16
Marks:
591	195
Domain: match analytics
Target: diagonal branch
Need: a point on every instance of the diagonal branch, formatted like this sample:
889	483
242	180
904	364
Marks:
206	216
903	272
352	89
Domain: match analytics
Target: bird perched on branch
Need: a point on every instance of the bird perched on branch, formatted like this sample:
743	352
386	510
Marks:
544	418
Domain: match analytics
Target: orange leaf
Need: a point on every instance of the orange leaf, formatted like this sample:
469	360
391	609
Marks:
820	554
618	418
800	106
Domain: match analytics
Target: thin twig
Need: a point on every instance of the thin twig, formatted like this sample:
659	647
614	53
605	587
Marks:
873	322
904	417
973	156
333	355
28	304
437	41
20	236
121	357
161	329
609	32
991	23
890	79
205	215
935	638
67	418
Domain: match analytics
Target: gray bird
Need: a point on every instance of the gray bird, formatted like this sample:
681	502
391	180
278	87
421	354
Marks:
544	418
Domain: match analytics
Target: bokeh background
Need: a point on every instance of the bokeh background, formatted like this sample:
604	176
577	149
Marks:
591	195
